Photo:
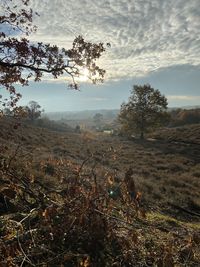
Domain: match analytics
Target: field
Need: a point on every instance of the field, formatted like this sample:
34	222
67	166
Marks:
165	228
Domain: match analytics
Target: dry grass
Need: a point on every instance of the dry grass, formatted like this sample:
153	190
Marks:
165	172
187	134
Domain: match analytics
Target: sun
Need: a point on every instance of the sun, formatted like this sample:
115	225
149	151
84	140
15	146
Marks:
84	75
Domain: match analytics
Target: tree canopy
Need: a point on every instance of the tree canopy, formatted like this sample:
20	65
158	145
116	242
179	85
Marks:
22	60
33	110
145	109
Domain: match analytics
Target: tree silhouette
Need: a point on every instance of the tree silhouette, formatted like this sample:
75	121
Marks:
145	109
33	110
21	59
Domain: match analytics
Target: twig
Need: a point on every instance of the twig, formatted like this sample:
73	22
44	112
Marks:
24	259
5	201
23	252
27	215
47	250
114	218
29	232
83	163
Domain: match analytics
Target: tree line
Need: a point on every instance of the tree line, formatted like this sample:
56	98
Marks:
22	60
31	111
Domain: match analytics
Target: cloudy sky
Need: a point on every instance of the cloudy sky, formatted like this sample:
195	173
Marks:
152	41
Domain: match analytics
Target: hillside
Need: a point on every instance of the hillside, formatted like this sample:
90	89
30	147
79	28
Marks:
186	134
52	177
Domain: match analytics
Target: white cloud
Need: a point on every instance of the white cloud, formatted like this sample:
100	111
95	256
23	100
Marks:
98	99
183	97
144	35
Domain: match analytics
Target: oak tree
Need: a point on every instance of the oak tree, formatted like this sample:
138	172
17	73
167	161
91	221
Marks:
33	110
146	109
22	60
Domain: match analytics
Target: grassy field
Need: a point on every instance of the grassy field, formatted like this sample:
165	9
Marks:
187	134
166	172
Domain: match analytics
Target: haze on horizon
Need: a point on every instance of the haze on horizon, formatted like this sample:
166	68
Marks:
155	42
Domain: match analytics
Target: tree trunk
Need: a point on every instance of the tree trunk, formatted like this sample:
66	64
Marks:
142	126
142	135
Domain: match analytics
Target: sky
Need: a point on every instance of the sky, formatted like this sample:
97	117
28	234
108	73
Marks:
152	41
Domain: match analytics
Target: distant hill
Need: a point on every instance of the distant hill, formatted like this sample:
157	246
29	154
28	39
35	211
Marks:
88	114
179	116
184	107
82	115
191	107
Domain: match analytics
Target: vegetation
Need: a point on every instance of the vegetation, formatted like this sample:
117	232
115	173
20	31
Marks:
188	134
21	60
57	210
146	109
33	110
180	117
83	199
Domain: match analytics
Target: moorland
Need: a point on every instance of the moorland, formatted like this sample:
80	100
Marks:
56	209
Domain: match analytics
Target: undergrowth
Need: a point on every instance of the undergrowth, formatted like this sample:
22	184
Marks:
63	212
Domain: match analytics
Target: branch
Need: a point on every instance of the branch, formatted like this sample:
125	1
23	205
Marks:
31	67
115	218
83	163
26	258
24	235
